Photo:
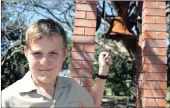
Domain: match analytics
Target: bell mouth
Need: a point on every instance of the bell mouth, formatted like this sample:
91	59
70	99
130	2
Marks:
119	30
117	36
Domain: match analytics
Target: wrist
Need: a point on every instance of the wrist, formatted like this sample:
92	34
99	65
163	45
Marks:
103	71
103	77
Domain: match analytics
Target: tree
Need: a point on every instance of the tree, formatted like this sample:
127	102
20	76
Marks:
13	62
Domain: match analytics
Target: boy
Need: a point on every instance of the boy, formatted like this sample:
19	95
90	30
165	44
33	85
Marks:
46	50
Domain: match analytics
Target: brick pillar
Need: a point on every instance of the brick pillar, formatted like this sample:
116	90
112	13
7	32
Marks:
84	42
152	60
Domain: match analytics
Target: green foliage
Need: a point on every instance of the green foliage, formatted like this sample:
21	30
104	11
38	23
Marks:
168	94
14	68
69	47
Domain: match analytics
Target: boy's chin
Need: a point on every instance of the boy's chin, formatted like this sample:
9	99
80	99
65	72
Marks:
47	79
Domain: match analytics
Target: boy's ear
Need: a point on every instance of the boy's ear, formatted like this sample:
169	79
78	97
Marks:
26	52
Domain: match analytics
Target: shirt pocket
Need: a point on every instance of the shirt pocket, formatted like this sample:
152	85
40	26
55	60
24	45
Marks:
72	104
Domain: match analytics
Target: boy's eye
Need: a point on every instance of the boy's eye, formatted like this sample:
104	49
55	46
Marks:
54	53
36	53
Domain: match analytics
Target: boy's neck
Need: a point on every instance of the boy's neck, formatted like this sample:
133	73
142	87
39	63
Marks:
49	88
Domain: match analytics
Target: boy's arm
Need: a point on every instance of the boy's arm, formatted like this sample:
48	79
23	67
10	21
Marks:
98	88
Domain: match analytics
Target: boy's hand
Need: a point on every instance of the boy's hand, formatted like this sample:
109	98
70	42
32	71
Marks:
105	61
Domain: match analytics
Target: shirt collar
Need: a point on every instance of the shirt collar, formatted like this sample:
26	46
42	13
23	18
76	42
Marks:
27	84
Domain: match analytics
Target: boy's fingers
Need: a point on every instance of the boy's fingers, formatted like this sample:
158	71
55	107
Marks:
109	60
106	55
103	53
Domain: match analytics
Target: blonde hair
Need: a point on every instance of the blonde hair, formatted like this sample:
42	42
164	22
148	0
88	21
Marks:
45	28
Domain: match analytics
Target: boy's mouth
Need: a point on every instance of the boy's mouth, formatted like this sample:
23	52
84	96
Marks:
45	69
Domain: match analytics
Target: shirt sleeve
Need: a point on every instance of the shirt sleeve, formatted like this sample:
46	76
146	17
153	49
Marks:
84	96
4	100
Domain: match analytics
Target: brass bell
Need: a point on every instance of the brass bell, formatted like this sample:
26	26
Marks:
119	30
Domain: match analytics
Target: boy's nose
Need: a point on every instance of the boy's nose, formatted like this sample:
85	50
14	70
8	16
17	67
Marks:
45	61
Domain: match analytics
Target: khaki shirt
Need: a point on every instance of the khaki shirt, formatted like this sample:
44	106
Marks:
24	93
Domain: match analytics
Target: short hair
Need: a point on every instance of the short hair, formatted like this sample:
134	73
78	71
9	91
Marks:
45	28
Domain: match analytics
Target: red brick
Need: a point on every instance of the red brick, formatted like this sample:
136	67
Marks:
153	93
141	38
161	35
148	19
82	56
91	15
90	31
75	64
151	102
147	34
139	52
147	102
80	14
161	85
153	68
161	20
154	43
79	30
77	47
86	82
161	103
161	51
140	84
153	12
87	64
154	51
153	76
81	73
86	7
149	5
148	51
150	85
154	27
155	59
142	44
147	84
84	39
140	76
84	23
89	48
161	5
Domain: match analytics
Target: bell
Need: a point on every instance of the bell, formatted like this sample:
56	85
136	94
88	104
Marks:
119	30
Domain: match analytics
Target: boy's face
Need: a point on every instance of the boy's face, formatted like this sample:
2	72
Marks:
45	58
